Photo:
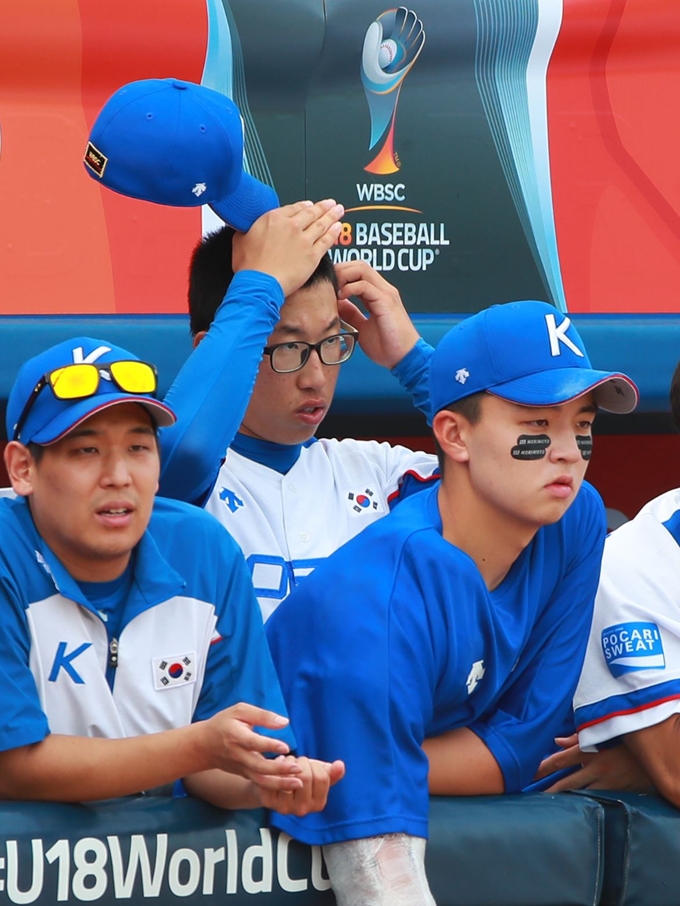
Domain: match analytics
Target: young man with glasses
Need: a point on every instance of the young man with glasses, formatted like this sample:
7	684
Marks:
288	499
132	649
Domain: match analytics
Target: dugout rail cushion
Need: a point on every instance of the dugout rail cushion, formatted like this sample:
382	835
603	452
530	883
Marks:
646	347
642	850
507	850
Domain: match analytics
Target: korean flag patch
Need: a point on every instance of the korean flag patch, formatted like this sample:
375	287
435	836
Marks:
632	646
178	670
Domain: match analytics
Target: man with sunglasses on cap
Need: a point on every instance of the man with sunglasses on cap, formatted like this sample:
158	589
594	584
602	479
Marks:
462	616
130	640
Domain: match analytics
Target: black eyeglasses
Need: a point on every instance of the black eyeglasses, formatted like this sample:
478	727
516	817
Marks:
287	357
76	382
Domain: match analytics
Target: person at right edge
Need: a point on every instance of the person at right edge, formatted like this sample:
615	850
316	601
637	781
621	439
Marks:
627	703
462	616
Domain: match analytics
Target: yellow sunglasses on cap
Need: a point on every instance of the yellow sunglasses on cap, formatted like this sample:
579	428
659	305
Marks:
76	382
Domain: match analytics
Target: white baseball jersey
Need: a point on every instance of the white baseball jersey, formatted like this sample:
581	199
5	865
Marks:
287	524
631	675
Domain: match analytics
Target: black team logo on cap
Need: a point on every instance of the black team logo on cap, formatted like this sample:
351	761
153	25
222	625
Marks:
95	160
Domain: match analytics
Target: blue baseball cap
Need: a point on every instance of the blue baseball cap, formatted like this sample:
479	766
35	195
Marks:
525	352
49	418
176	143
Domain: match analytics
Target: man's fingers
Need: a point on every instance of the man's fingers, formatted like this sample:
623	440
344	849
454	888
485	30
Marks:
262	745
324	776
364	290
546	767
254	763
306	215
351	271
571	782
350	313
277	783
326	225
291	209
257	716
358	278
320	223
316	782
567	758
336	771
327	241
311	793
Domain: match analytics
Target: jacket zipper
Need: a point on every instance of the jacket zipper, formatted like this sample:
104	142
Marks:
113	653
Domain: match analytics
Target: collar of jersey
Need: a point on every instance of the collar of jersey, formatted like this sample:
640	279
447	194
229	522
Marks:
154	579
279	457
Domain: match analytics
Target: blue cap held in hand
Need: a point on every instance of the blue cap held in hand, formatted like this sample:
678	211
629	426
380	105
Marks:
525	352
176	143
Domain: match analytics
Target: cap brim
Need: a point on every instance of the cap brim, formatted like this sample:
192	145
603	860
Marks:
76	414
613	392
249	201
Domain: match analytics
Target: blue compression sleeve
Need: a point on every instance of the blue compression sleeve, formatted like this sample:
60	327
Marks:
412	373
211	392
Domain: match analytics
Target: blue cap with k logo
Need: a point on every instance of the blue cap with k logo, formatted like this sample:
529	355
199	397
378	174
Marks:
525	352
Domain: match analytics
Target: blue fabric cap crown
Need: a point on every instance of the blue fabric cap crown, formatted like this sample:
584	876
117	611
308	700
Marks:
49	418
525	352
176	143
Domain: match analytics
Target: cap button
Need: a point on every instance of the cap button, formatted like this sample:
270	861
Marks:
181	85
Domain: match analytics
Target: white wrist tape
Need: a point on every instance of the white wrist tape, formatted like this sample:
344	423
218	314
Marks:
379	871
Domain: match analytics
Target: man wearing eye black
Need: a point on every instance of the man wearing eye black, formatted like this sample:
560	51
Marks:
440	648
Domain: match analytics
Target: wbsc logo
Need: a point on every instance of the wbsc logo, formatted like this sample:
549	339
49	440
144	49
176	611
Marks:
632	646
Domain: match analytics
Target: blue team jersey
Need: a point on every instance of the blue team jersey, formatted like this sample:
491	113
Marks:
396	638
190	636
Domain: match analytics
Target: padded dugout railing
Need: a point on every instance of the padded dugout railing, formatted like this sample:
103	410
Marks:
525	850
647	347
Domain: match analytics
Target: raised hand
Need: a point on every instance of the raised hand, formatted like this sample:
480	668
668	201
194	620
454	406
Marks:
289	242
388	333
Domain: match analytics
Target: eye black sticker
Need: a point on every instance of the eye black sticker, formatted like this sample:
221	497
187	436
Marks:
531	446
585	444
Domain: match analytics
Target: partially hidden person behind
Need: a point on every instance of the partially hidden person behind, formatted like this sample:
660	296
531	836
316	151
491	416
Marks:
627	703
463	615
132	648
288	498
